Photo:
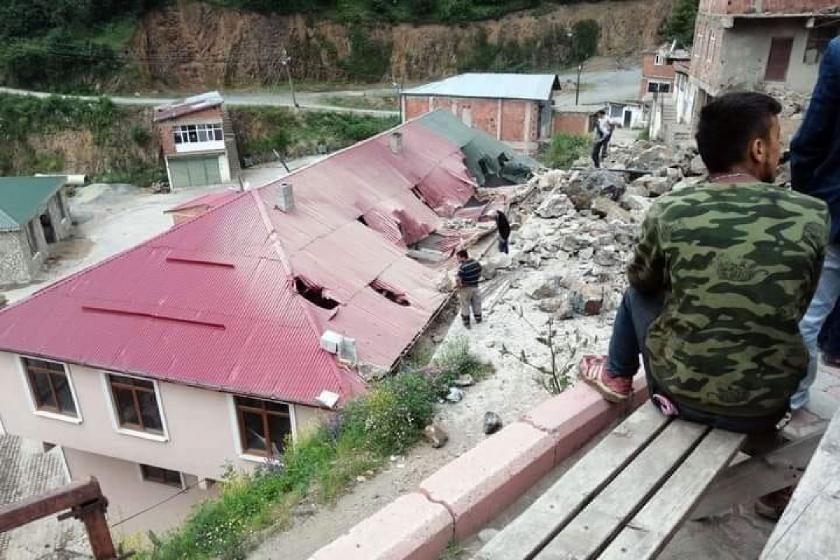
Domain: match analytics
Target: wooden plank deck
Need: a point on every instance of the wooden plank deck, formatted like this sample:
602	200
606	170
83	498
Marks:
808	528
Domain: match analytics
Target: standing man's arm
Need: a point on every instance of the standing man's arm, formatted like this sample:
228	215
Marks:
813	142
646	272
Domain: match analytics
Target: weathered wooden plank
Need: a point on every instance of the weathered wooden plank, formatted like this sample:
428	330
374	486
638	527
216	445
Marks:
808	528
589	532
35	507
757	476
647	533
529	532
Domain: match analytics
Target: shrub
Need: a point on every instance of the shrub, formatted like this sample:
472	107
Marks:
585	35
369	60
564	150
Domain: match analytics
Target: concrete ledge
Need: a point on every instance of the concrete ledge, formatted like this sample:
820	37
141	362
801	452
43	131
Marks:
411	528
579	414
479	484
476	487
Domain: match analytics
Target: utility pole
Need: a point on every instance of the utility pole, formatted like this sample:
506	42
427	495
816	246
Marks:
285	60
577	89
398	89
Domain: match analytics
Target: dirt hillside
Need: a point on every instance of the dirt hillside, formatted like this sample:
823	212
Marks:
190	44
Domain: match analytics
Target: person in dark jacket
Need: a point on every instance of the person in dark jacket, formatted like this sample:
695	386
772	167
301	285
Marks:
815	170
503	226
469	273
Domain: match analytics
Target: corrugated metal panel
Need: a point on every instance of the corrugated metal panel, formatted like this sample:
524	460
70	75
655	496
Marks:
537	87
188	105
23	198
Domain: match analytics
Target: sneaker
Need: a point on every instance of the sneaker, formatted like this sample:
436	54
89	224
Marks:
593	371
772	505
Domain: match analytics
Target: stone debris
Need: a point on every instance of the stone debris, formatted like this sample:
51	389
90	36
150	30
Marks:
492	423
455	395
436	435
465	380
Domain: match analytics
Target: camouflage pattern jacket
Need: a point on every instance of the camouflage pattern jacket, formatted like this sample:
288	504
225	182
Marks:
739	265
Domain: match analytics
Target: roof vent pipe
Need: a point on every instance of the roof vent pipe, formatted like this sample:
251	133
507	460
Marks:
285	198
396	142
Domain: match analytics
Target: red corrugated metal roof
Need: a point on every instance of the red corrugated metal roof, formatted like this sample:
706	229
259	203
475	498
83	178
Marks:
212	302
210	200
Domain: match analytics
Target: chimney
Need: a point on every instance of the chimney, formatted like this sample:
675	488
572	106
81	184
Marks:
285	198
396	142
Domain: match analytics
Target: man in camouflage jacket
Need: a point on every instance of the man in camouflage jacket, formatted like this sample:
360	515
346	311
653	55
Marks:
721	276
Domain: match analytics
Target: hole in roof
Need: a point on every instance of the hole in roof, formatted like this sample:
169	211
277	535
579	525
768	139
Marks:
314	294
390	293
361	220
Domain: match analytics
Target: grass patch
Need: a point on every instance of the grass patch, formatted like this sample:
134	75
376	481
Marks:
264	129
377	102
388	420
564	150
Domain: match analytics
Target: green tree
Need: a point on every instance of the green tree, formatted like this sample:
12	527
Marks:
585	35
680	25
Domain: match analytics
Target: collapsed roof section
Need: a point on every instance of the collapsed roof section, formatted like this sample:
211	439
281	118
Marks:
237	299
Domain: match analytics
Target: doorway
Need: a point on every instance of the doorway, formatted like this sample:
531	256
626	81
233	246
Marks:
779	59
628	118
47	226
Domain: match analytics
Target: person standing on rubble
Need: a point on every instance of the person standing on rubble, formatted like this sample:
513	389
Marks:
720	278
605	145
599	134
469	273
815	170
503	227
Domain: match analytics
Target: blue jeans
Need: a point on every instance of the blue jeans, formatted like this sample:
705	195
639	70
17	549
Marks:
503	245
635	315
825	297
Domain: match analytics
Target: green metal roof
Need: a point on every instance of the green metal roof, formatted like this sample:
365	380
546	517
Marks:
23	198
477	145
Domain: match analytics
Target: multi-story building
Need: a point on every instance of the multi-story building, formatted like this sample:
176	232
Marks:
756	44
212	345
197	141
658	70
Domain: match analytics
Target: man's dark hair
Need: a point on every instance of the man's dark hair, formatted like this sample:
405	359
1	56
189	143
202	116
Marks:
728	125
463	254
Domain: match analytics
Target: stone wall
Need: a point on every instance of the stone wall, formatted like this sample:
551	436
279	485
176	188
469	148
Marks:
15	260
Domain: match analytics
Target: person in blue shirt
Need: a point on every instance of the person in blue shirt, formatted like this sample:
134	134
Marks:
815	170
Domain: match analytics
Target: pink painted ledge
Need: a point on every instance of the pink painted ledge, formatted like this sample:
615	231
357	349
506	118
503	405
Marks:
470	491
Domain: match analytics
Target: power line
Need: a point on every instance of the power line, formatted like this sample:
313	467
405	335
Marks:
154	506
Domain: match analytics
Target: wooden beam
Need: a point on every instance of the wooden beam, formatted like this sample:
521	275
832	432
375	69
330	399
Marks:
34	508
757	476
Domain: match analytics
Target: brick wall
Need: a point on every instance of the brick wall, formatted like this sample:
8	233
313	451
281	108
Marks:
484	114
709	35
764	6
571	123
207	116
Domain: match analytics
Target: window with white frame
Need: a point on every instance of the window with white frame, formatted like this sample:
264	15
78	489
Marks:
711	50
50	386
658	60
195	133
136	405
661	87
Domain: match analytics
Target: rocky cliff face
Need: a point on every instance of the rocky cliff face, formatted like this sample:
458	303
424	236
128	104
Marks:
193	45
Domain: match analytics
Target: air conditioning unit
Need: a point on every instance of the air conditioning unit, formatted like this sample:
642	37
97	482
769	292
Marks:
331	342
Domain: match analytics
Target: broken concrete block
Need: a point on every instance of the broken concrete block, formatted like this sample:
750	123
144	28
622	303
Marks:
555	206
593	183
697	166
606	208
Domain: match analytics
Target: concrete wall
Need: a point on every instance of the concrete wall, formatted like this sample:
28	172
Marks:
17	263
515	122
759	6
746	49
201	429
572	123
128	494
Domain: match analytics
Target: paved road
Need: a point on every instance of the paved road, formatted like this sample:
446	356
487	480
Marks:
309	101
600	86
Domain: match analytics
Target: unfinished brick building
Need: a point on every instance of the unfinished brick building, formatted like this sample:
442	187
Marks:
514	108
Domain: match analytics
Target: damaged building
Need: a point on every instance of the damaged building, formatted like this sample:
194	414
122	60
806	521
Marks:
250	320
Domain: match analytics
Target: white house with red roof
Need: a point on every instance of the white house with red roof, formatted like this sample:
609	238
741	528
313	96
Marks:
245	324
